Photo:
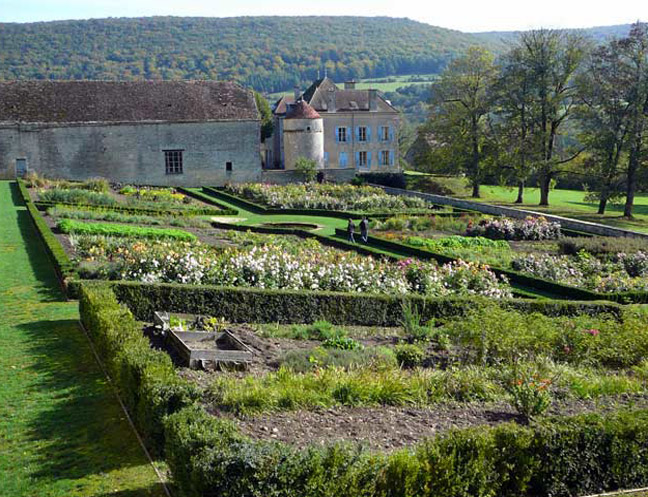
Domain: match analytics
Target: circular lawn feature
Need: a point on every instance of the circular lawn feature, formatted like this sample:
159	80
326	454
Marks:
288	226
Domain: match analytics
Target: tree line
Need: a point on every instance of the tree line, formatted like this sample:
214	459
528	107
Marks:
554	103
269	54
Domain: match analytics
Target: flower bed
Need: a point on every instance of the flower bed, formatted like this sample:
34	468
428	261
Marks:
338	197
290	265
531	228
622	273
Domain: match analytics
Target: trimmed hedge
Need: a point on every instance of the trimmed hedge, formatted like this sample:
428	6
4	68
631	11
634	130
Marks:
145	378
198	195
262	209
63	266
134	210
113	229
287	306
561	456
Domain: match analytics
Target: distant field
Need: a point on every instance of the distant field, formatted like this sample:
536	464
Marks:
386	84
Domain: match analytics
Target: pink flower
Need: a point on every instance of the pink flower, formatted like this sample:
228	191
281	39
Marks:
594	332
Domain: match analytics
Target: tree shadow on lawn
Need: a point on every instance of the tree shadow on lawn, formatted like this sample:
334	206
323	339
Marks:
80	428
151	490
48	288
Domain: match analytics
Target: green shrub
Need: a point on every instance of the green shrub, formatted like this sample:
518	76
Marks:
409	355
109	229
529	390
341	343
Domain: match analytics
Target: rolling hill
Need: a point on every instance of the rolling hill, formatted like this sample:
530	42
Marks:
267	53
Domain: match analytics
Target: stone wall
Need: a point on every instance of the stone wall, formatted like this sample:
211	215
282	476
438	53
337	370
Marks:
282	177
567	223
134	153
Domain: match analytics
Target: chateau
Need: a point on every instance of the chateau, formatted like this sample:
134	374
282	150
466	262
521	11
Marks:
340	129
189	133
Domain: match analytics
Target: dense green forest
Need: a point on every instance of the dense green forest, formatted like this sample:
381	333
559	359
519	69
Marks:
266	53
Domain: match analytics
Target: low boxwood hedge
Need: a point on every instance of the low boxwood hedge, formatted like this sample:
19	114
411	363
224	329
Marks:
63	266
288	306
145	378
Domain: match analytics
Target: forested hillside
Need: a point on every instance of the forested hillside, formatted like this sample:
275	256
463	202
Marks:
267	53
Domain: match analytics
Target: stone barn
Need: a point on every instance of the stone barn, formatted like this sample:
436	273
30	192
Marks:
188	133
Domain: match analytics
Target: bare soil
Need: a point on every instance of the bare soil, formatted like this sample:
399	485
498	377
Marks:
390	428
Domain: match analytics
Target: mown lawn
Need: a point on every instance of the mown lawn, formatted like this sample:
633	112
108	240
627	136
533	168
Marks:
569	203
62	432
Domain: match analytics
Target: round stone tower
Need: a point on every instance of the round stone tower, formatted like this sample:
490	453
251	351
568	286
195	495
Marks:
303	135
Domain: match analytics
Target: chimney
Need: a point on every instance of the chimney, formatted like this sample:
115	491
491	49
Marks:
330	100
296	92
349	85
373	100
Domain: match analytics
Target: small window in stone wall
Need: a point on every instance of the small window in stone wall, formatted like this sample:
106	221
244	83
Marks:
173	161
228	167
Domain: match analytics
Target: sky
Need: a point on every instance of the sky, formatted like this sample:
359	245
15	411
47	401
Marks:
464	15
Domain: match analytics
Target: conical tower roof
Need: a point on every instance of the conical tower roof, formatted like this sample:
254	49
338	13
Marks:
302	110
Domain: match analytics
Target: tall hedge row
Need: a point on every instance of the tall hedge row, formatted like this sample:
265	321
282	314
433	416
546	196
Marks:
288	306
145	378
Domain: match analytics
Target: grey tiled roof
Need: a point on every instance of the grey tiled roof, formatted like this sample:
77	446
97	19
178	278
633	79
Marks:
345	100
124	101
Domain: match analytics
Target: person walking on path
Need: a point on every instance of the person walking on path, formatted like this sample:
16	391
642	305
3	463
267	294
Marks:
364	229
351	230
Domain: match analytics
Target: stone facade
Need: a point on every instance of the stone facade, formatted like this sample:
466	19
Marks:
360	128
71	130
135	153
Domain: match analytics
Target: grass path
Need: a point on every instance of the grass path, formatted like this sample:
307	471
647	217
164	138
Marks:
62	432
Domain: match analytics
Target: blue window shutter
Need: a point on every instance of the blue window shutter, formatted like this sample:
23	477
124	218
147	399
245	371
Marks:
343	159
349	134
368	133
325	157
357	158
337	135
391	157
368	159
357	135
391	134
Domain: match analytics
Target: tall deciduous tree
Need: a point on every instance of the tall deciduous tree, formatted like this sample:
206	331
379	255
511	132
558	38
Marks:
515	111
552	59
604	88
460	106
636	49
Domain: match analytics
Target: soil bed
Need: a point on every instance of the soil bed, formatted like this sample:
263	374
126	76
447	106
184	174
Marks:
390	428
